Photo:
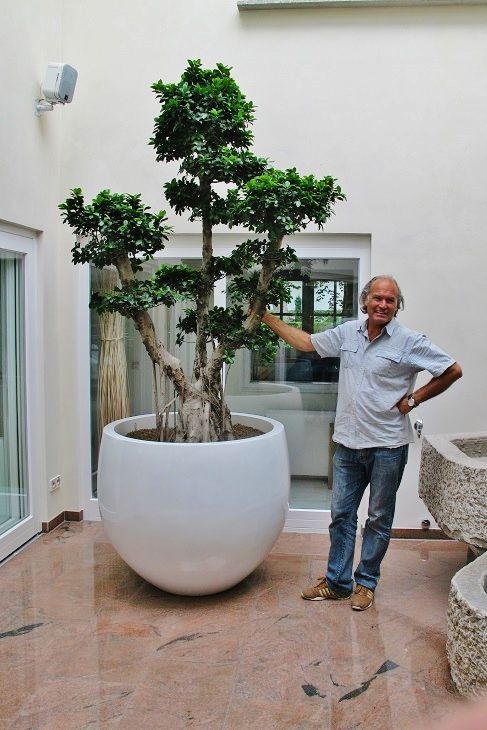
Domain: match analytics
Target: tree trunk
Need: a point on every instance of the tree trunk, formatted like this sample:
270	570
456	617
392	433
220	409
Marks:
203	300
203	415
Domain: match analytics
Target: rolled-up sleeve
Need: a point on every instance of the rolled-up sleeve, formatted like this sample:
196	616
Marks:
424	355
328	343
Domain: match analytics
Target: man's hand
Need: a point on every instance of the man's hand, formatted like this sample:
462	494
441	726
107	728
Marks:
403	405
434	387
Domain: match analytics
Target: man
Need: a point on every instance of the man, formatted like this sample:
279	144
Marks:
379	361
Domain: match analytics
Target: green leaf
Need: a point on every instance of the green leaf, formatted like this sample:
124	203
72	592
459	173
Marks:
113	224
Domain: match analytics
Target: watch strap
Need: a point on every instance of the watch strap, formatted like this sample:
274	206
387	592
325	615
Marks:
410	398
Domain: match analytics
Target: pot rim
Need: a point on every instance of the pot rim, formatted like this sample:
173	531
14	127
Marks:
276	427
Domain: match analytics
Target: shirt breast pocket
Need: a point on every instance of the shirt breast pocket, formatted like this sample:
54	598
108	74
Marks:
348	353
388	363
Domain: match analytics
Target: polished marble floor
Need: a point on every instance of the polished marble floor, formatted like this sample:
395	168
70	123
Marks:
86	643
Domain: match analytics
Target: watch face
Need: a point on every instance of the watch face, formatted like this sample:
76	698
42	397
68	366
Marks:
411	402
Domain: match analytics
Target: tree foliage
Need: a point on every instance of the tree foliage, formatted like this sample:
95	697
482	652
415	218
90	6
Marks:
205	111
204	124
113	225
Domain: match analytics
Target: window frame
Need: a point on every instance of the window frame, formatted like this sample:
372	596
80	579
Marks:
23	241
247	5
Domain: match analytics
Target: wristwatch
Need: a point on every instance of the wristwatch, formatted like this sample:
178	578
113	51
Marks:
411	402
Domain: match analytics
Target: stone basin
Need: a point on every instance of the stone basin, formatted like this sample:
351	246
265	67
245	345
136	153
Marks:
475	447
453	485
467	629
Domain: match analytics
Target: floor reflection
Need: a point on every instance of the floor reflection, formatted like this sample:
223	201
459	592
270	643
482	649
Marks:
86	643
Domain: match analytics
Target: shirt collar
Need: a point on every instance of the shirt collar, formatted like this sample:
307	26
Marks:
389	328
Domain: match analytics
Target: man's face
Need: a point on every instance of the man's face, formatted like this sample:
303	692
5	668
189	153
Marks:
381	302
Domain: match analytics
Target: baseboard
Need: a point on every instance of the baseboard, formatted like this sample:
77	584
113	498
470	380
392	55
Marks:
401	533
73	515
67	516
414	533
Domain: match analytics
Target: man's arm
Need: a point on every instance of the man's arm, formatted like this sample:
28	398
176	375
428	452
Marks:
298	339
434	387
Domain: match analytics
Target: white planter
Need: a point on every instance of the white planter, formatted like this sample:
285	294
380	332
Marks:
193	519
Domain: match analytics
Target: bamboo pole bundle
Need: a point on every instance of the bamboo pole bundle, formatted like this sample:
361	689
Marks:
112	395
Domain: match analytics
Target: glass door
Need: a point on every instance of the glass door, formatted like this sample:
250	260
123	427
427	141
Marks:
16	519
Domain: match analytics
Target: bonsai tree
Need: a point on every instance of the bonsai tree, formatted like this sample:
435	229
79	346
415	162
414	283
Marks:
205	124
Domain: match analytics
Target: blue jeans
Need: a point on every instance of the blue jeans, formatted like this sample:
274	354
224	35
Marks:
353	470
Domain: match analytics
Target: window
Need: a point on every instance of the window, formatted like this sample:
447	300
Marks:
13	453
323	295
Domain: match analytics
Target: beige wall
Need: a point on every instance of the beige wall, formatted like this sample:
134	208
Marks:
390	101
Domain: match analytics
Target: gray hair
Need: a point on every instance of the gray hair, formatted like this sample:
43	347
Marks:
366	291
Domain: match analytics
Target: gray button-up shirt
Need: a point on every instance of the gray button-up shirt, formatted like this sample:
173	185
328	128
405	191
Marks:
374	376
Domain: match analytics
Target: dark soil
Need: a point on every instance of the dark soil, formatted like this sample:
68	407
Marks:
150	434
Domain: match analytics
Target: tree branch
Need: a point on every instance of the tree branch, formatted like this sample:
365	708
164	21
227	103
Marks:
256	308
144	324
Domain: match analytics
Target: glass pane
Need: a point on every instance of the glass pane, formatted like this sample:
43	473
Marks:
300	388
13	472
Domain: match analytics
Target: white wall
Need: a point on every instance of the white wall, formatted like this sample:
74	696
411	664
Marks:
31	153
391	101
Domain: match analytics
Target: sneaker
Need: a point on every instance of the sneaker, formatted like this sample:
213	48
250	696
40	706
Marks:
362	598
322	591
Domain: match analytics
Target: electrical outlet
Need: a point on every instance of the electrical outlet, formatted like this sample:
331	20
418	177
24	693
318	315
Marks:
54	483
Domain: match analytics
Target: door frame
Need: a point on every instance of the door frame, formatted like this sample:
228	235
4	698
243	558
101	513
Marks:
24	241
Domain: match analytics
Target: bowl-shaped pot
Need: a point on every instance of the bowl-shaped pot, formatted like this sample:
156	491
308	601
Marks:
193	519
